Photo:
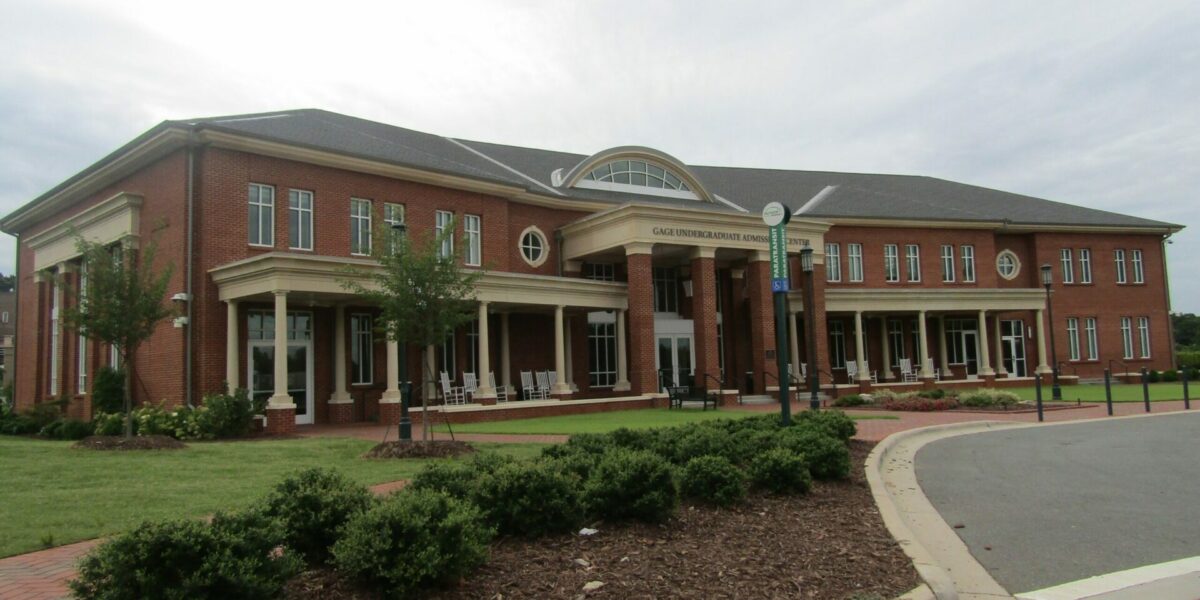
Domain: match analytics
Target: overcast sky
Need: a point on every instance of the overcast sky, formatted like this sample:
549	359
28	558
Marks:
1093	103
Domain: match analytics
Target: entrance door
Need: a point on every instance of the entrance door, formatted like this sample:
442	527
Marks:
1012	342
299	379
971	351
675	360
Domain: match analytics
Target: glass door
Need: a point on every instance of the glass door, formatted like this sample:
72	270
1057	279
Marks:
1012	337
971	351
299	377
674	361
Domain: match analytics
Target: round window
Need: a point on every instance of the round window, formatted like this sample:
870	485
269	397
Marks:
533	246
1007	264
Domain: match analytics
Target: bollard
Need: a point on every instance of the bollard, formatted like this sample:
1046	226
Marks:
1038	379
1187	401
1146	388
1108	390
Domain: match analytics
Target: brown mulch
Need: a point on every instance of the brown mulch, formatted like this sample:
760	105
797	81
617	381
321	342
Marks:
415	449
828	544
140	442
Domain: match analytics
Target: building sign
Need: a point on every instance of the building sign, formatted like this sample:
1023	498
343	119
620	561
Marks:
722	236
776	216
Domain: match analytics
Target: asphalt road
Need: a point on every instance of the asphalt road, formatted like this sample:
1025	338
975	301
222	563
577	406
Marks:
1063	503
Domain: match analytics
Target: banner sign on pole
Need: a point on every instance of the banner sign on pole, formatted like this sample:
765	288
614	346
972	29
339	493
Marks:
776	216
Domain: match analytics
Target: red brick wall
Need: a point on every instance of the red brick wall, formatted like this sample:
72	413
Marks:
704	311
640	331
762	324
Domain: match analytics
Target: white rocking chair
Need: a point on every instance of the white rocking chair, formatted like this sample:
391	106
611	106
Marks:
501	392
543	383
907	374
470	385
450	393
528	389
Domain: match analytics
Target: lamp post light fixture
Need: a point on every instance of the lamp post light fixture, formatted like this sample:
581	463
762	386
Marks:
810	343
1047	281
405	425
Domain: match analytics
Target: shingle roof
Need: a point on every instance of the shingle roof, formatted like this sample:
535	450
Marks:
856	195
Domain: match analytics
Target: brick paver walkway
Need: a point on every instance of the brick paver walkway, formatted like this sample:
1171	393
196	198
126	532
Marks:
43	575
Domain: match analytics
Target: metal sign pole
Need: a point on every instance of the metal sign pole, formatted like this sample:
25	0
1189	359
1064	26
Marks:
777	216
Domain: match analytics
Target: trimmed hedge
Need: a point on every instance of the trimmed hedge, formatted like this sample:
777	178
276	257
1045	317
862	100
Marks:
781	471
827	457
632	484
312	506
529	499
713	479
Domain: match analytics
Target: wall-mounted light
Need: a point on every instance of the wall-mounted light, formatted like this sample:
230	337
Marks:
687	288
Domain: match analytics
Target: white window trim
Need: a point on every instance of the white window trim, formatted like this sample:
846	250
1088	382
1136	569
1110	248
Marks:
534	230
474	240
912	262
1073	338
967	252
1067	263
300	219
446	248
356	226
833	263
891	275
1016	264
1085	265
1093	340
1144	336
854	260
1127	336
1139	272
269	210
948	264
1119	258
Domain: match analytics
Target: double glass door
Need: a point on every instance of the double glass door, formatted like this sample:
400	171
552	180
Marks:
1012	343
674	360
260	355
971	351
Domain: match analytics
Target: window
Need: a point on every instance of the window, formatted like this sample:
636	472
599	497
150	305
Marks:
602	360
4	317
1139	274
300	220
891	263
837	344
362	349
81	354
442	221
601	272
947	263
472	230
446	356
1144	335
1007	264
1127	336
262	215
260	325
956	339
55	293
1119	258
533	247
638	176
912	262
968	261
114	357
1068	268
666	287
833	262
854	253
1085	265
1073	337
473	349
360	226
1093	343
393	215
896	341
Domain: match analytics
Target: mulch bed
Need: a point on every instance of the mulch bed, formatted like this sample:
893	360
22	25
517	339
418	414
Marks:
139	442
415	449
828	544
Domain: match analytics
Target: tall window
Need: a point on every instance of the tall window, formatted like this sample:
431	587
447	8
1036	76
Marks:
300	220
666	286
447	360
1068	267
602	367
54	341
393	215
1119	258
472	230
1093	342
833	262
855	256
362	349
896	341
602	272
947	263
968	260
473	349
1144	335
1139	274
1073	337
360	226
442	220
81	354
891	263
837	344
261	224
1127	336
912	260
1085	265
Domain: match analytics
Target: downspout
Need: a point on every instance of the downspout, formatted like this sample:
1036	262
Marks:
191	190
558	241
1167	295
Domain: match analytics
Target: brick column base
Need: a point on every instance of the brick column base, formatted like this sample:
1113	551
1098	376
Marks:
341	413
727	399
281	421
989	380
485	401
864	386
389	413
928	383
555	396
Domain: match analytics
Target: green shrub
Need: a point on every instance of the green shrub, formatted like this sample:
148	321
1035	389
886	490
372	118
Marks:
67	429
1190	358
749	443
529	498
228	415
14	424
489	462
45	413
454	478
782	471
851	400
234	557
632	484
987	398
411	540
713	479
1153	376
633	439
833	422
703	441
914	403
597	443
110	424
1170	375
312	505
108	391
34	419
827	456
936	394
571	461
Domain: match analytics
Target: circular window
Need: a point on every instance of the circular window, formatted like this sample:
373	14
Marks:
533	246
1007	264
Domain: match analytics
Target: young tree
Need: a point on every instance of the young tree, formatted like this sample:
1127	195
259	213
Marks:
122	302
422	290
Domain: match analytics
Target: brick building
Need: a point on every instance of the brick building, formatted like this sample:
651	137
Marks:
602	269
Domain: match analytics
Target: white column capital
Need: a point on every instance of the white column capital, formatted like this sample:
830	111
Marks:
639	248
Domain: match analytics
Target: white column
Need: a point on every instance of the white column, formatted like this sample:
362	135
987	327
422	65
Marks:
944	354
1043	366
794	345
926	368
505	361
886	367
484	388
622	384
985	353
340	395
232	362
570	372
431	382
999	348
859	346
281	399
559	358
391	395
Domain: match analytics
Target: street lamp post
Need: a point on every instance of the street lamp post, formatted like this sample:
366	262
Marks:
405	424
810	342
1047	280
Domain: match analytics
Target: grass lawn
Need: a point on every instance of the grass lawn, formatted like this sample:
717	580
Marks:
608	421
49	489
1123	392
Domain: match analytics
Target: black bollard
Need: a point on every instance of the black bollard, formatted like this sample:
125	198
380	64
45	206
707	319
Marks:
1038	379
1108	390
1187	401
1146	388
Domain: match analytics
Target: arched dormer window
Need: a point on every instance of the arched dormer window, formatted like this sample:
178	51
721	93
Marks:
635	170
